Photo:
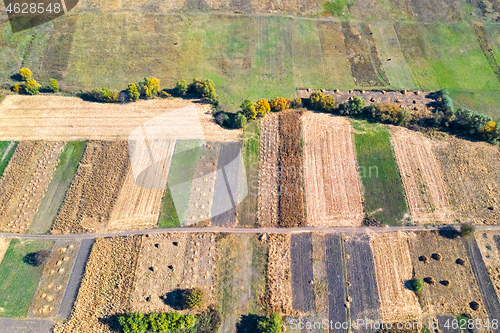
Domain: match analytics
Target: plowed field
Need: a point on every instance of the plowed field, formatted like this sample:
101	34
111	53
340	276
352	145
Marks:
421	174
279	284
332	185
95	188
25	181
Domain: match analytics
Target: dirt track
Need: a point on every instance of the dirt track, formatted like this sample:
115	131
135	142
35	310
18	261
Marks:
332	185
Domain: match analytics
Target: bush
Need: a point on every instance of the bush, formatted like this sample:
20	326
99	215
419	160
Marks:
476	124
164	94
442	93
354	106
37	258
335	8
248	109
296	103
32	87
262	107
193	298
417	284
25	73
279	104
17	87
133	323
271	324
105	95
132	92
54	85
204	88
153	85
321	102
241	120
467	229
390	113
2	96
181	87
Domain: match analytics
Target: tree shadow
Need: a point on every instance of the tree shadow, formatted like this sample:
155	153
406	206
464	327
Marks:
174	299
112	322
16	77
247	324
408	285
449	232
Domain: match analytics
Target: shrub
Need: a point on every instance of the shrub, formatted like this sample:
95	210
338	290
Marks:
262	107
321	102
132	92
417	284
32	87
54	85
241	120
335	8
2	96
296	103
193	298
467	229
17	87
271	324
491	131
476	124
353	106
443	92
248	109
181	87
279	104
105	95
164	94
220	117
37	258
390	113
153	85
204	88
25	73
447	105
155	322
133	323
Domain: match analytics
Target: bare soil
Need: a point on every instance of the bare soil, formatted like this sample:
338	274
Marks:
25	181
321	288
95	188
301	268
422	176
4	245
332	184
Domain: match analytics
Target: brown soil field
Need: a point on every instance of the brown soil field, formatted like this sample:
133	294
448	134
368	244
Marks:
418	102
278	296
487	243
321	289
332	184
472	176
56	273
25	181
95	188
107	285
171	262
4	245
291	206
436	298
269	171
393	267
70	118
421	174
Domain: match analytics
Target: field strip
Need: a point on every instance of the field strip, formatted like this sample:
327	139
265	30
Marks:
4	245
279	285
488	244
336	271
301	271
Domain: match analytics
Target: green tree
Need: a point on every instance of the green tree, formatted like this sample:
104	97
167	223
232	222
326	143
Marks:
132	92
54	85
467	229
241	120
205	88
353	106
248	109
133	323
271	324
181	87
417	284
193	298
32	87
322	102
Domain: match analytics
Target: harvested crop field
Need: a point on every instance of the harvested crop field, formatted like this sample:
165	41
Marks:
489	245
291	205
25	181
54	279
4	244
336	272
269	172
361	280
472	176
7	149
435	256
301	270
95	188
422	176
107	286
393	267
332	184
171	262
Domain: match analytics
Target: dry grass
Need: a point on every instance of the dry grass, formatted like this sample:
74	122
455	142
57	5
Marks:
332	185
25	181
4	244
491	254
422	176
393	267
107	285
95	188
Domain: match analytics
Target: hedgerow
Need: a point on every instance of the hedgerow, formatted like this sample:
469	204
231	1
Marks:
155	322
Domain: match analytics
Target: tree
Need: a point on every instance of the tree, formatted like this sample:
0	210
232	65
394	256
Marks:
417	284
262	107
322	102
193	298
241	120
353	106
467	229
105	95
25	73
181	87
54	85
132	92
271	324
206	89
248	109
133	323
279	104
37	258
32	87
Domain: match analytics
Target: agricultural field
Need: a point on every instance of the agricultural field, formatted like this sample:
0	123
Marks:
422	176
25	181
332	184
7	149
279	284
383	191
471	176
301	270
489	245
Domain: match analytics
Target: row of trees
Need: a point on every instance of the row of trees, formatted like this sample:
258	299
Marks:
30	86
155	322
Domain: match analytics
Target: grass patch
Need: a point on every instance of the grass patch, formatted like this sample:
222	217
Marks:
259	277
382	186
7	149
18	280
247	210
168	215
59	185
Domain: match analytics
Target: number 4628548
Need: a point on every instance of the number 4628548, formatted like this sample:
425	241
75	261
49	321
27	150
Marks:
33	8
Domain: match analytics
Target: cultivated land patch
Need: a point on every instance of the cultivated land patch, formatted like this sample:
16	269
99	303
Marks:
269	172
472	176
393	268
4	244
440	264
107	285
382	187
7	149
25	181
95	188
279	283
336	272
320	273
422	176
301	270
56	191
361	280
489	245
332	184
18	279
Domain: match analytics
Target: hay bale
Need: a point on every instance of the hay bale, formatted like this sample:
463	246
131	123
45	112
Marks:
474	305
460	261
437	256
429	280
423	259
445	283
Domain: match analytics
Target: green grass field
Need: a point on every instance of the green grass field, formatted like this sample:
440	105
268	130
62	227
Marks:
18	280
59	185
382	186
7	149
